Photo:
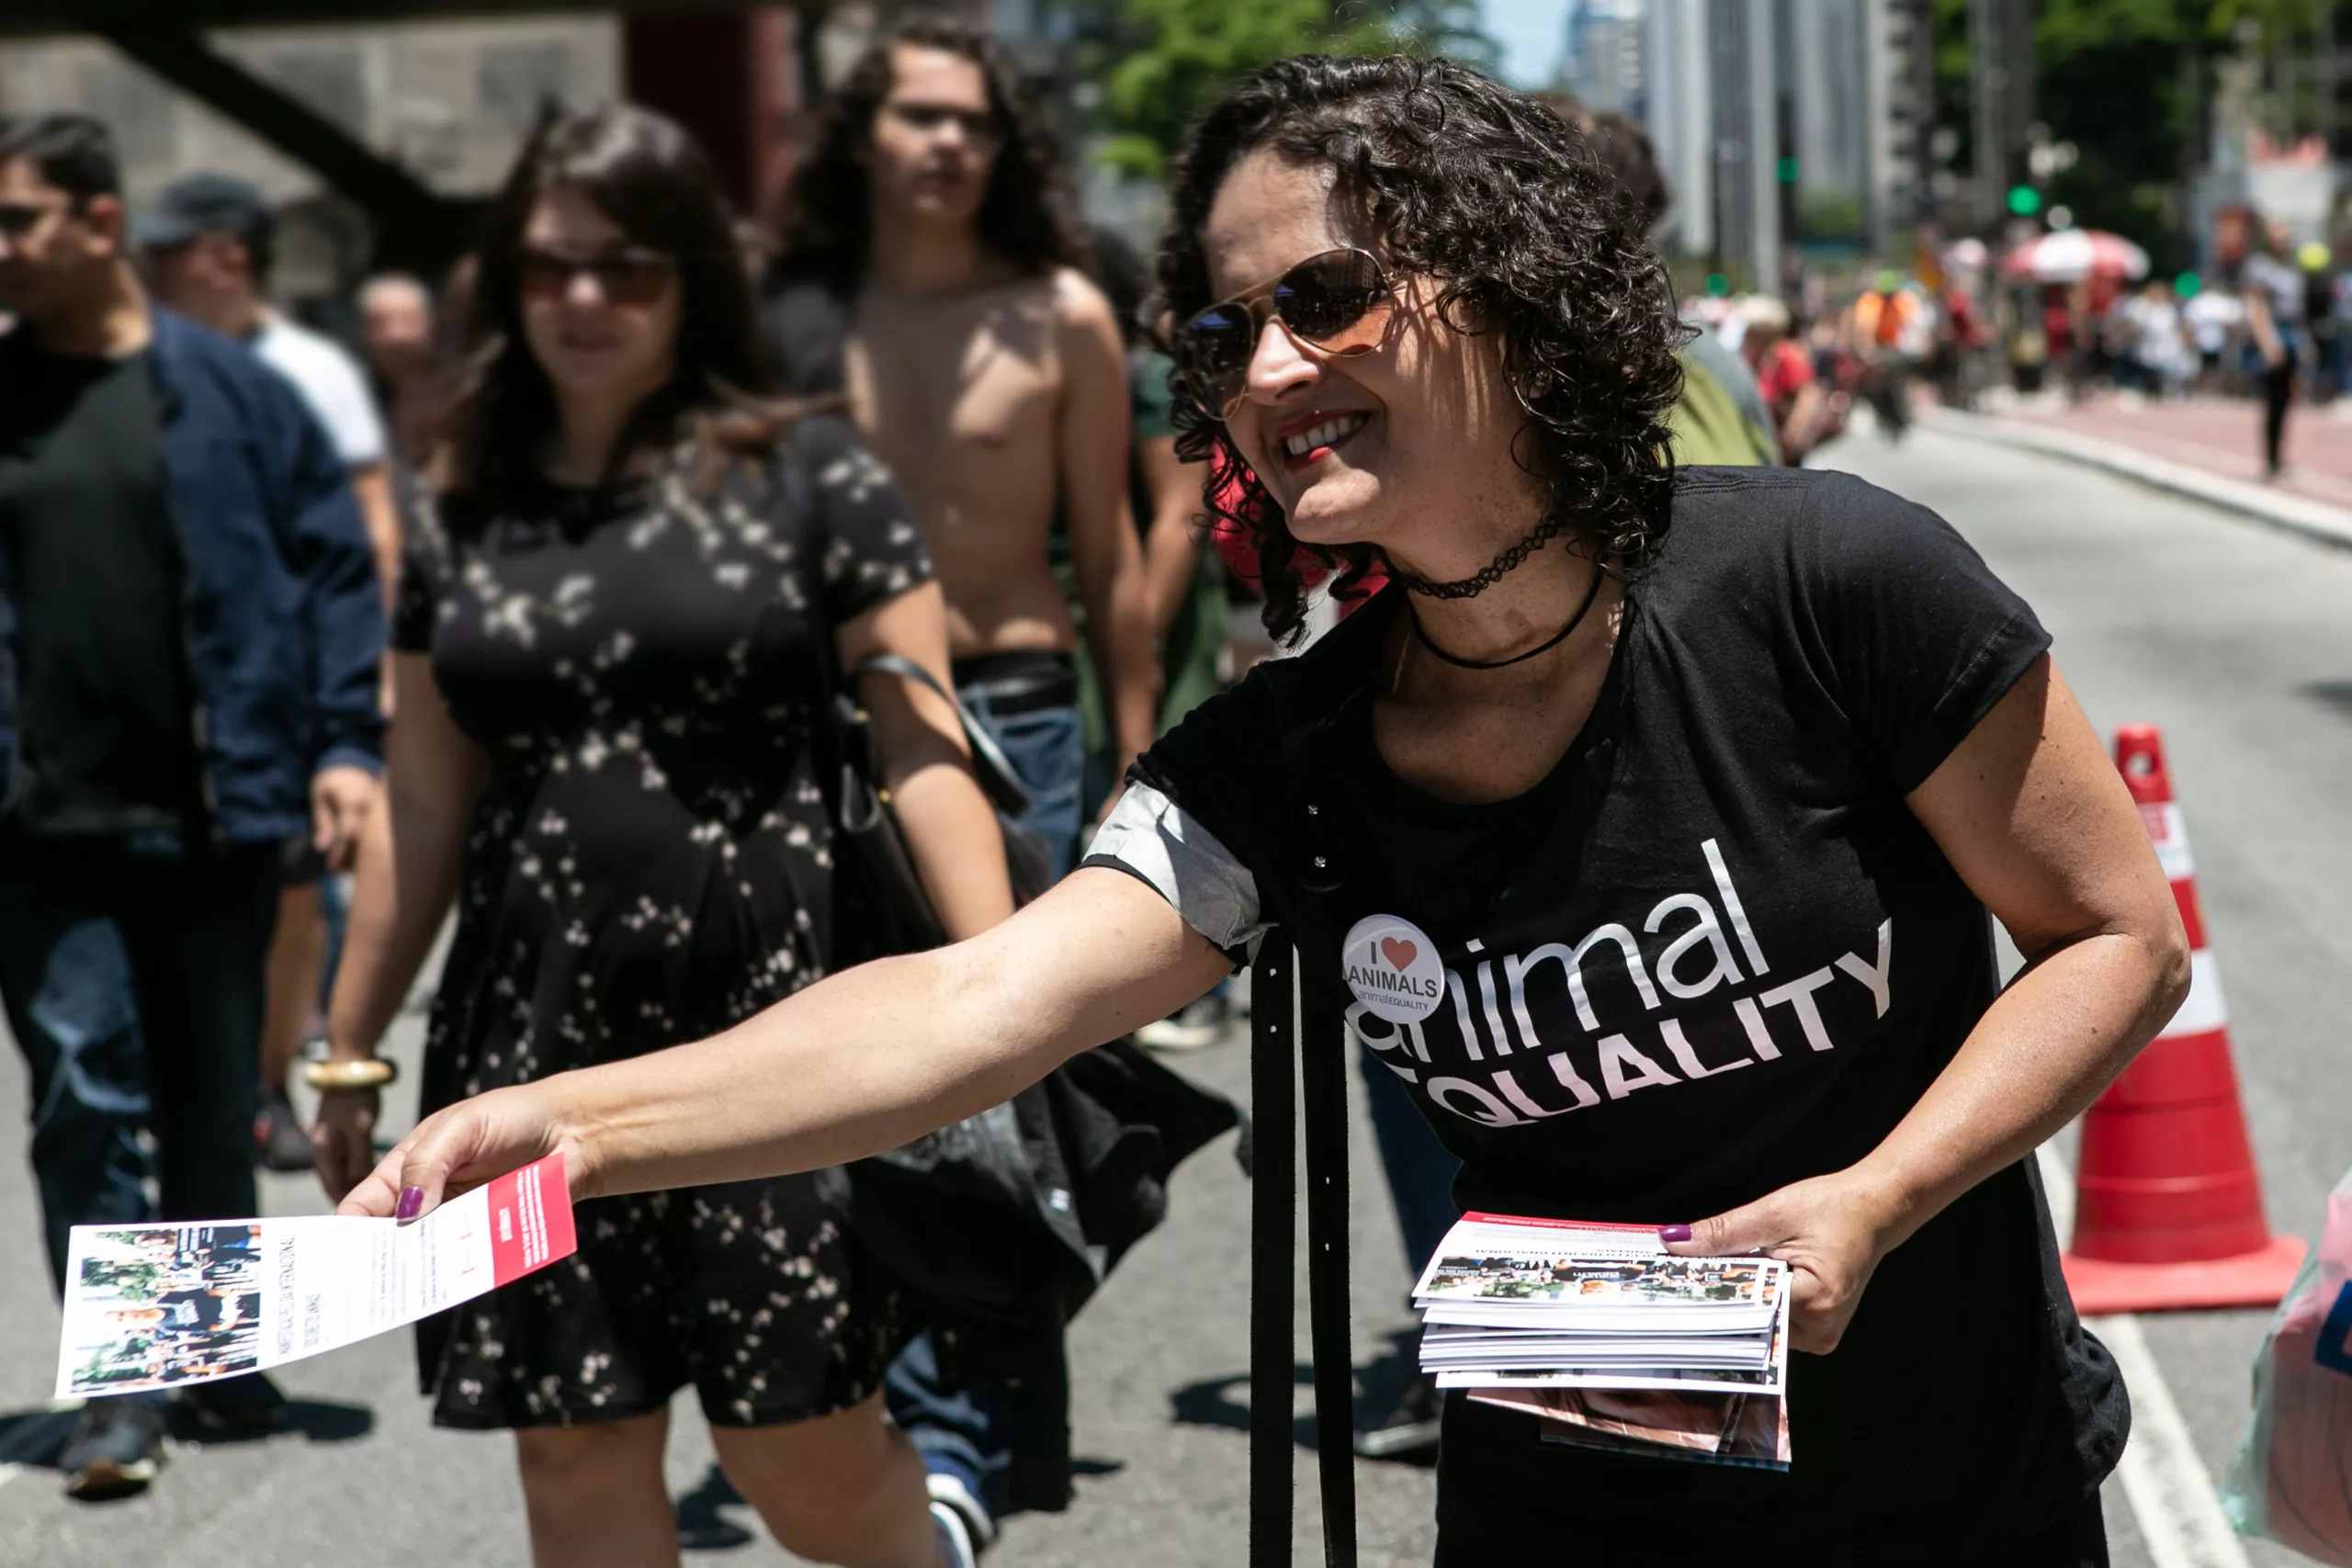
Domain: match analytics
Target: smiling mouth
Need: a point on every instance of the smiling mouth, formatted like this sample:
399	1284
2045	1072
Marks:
1331	433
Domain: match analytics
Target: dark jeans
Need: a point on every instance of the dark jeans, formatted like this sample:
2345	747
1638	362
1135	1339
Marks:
1028	704
131	971
964	1432
2277	393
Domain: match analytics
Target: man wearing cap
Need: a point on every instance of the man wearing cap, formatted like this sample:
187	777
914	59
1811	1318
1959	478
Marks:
189	634
208	244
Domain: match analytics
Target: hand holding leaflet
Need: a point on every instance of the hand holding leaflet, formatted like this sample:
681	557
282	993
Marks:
153	1306
1611	1341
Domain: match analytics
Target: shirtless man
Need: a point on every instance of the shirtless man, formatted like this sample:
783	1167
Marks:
929	271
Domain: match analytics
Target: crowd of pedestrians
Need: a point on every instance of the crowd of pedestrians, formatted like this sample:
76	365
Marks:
551	610
2273	331
610	517
1782	722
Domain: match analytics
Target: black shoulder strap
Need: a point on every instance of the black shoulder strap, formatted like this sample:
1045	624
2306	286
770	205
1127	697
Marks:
1321	1052
990	764
1274	1198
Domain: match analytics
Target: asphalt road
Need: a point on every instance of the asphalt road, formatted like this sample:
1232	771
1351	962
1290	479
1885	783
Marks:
362	1480
2236	641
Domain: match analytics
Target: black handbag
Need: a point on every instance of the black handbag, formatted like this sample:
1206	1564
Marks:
1010	1218
880	907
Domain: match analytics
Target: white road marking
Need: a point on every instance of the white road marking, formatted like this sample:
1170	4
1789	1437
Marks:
2172	1497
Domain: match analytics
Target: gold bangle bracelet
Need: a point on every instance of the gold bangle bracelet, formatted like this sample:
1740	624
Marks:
372	1072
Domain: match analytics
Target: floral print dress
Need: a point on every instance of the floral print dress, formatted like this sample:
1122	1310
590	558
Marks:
644	667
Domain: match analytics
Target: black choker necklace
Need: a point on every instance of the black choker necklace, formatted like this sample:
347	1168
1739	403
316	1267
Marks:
1472	586
1556	639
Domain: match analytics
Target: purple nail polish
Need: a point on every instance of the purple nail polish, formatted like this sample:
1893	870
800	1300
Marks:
1665	1232
412	1199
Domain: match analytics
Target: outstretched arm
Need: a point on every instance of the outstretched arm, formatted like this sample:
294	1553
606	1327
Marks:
857	1064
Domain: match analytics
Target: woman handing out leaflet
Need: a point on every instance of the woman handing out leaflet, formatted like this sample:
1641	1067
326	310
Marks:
1674	804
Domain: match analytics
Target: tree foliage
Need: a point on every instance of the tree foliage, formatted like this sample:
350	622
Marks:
1160	63
2125	82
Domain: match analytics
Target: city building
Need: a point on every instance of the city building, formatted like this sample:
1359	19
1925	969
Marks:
1602	66
1789	129
377	140
450	102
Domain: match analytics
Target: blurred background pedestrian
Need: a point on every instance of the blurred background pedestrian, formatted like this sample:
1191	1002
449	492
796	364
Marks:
931	270
195	631
627	580
402	344
207	245
2274	316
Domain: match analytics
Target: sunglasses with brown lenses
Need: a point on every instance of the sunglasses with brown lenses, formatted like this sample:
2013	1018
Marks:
1338	303
623	278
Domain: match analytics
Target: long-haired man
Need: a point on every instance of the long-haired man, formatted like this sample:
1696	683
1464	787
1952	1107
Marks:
930	270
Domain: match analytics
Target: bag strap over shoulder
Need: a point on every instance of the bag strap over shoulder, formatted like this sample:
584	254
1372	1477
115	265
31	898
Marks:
1273	1200
989	765
1319	1029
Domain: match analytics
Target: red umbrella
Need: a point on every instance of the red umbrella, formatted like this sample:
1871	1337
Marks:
2071	255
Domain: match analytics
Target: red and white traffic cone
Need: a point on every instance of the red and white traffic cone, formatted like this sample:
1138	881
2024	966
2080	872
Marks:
2168	1205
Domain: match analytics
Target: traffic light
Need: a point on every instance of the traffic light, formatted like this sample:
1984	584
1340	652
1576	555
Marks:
1787	171
2188	285
2024	201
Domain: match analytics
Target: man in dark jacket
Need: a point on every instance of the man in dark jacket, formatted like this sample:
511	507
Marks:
189	632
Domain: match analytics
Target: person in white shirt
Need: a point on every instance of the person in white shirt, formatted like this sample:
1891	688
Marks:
2212	315
208	244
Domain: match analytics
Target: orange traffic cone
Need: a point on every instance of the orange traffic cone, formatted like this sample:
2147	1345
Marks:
2168	1205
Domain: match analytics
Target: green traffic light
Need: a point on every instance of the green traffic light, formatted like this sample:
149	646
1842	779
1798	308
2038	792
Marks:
1717	285
2188	285
2024	201
1787	170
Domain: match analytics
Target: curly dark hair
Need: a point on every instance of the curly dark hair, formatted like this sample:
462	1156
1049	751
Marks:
1028	216
1502	202
646	173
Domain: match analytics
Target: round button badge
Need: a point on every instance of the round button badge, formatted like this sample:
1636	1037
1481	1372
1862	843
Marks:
1393	969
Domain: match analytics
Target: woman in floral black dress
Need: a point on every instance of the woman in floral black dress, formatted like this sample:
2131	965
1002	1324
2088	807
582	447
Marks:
611	649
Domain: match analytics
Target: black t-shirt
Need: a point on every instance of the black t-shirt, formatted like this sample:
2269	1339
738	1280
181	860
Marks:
1713	953
103	700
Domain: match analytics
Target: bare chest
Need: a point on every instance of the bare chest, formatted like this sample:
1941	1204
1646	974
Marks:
940	389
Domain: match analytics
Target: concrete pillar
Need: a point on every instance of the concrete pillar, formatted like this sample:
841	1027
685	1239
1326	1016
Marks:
728	77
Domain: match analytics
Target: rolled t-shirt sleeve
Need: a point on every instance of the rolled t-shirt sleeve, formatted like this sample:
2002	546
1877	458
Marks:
1198	813
1919	638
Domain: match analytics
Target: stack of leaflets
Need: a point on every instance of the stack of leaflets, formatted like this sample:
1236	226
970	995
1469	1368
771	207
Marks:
1616	1343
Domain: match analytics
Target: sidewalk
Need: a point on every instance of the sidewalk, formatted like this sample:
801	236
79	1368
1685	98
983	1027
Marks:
2207	449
